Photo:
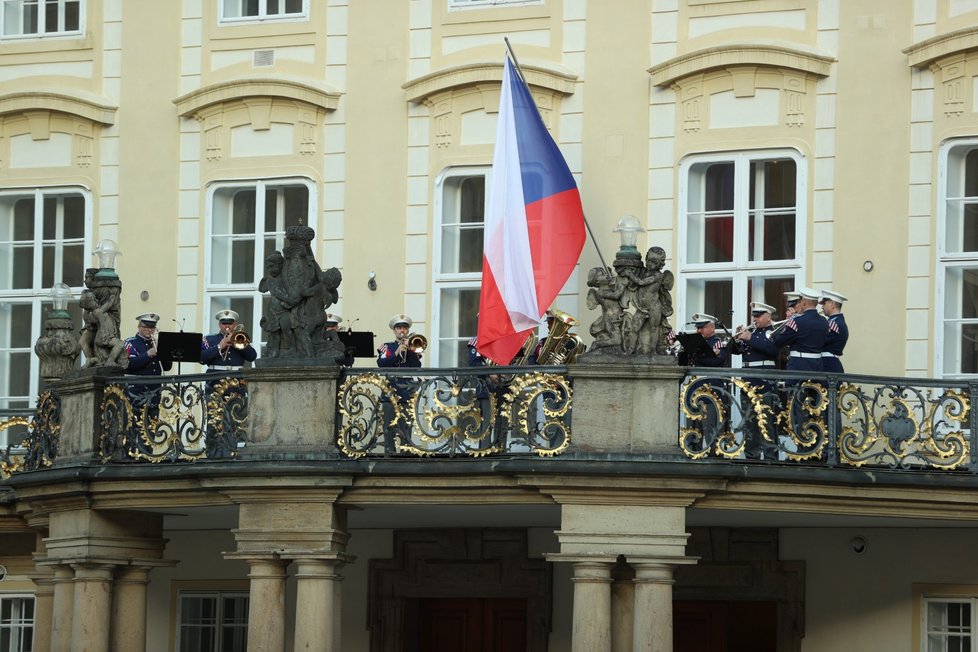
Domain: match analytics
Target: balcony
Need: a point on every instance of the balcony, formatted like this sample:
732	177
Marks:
622	414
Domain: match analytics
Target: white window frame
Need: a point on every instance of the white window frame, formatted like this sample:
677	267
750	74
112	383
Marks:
741	268
221	293
23	624
443	280
947	260
263	15
463	5
925	631
37	295
216	595
7	6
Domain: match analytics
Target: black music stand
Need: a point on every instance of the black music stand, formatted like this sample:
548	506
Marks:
694	344
179	347
360	342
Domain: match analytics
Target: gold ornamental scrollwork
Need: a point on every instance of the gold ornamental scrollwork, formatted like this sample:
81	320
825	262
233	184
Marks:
536	406
361	414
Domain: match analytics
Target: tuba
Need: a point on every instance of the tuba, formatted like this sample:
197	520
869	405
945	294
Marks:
561	346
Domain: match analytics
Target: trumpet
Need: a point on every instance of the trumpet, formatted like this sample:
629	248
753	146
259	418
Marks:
240	338
777	327
415	342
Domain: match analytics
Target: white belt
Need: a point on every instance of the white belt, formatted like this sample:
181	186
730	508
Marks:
760	363
826	354
799	354
219	367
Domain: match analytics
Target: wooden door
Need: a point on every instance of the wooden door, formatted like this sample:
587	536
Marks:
715	626
472	625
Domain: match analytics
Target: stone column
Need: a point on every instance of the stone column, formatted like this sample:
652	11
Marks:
129	610
622	608
92	608
64	588
266	611
43	609
653	601
317	601
592	606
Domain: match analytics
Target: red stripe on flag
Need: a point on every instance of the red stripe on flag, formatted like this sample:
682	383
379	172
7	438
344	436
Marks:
555	226
497	340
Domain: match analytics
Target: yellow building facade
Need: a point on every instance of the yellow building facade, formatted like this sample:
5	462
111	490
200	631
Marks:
764	144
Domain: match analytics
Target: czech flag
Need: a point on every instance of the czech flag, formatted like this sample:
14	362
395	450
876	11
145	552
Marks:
534	225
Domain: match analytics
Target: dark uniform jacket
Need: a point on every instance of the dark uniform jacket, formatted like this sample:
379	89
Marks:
835	343
752	354
210	354
720	357
140	363
387	356
804	334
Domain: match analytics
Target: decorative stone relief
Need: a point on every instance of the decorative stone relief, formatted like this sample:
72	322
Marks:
213	135
442	123
306	128
793	99
83	145
690	92
953	84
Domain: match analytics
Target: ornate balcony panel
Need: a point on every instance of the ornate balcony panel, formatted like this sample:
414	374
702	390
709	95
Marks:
836	420
173	418
38	436
451	412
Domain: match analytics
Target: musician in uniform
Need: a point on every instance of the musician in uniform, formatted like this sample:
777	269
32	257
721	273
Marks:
804	333
394	355
743	344
141	348
217	352
838	335
332	328
143	361
398	353
568	350
486	387
716	354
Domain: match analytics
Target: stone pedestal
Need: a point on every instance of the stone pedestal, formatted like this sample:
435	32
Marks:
626	408
291	411
81	414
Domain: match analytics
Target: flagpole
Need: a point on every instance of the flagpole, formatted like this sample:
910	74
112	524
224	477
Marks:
587	225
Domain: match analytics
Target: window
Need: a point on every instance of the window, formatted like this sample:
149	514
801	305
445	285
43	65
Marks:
472	4
957	276
44	239
213	621
247	223
742	229
948	625
41	18
16	623
461	207
252	10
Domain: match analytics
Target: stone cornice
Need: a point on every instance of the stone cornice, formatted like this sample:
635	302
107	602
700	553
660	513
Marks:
929	50
558	79
86	105
740	54
323	96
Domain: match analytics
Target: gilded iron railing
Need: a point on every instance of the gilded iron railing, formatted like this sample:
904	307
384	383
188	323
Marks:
173	418
32	436
451	412
836	420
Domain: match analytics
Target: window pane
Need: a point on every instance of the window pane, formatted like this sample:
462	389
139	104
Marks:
718	187
463	213
72	15
243	261
244	306
458	323
712	296
961	293
243	212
